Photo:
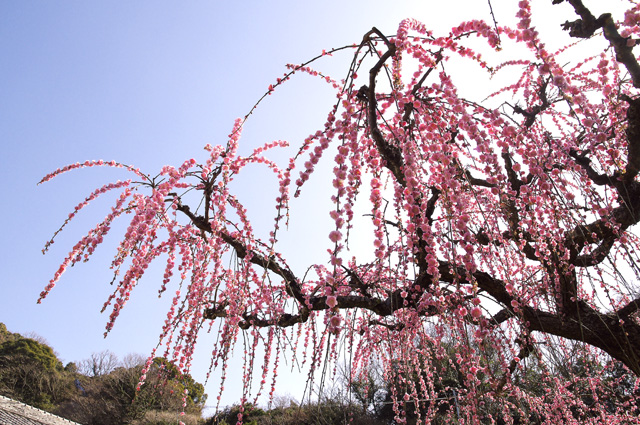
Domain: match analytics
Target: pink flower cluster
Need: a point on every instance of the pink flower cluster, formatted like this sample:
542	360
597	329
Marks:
85	164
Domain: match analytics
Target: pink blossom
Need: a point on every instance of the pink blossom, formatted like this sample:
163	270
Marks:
476	312
332	301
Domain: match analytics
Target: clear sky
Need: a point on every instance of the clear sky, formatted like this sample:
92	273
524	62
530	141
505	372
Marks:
150	83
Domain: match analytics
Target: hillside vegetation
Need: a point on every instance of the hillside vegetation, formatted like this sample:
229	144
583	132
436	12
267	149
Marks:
99	390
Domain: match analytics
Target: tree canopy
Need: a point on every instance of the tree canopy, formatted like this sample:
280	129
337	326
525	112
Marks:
501	226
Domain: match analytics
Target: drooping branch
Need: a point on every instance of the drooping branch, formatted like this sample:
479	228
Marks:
409	107
526	348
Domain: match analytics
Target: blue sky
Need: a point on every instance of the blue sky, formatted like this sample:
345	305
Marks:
150	83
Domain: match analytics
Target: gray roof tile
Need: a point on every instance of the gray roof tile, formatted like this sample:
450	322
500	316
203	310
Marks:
13	412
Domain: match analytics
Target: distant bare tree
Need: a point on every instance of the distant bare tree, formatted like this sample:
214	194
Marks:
132	360
99	364
37	337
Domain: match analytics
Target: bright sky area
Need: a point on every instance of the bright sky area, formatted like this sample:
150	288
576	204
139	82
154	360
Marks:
149	83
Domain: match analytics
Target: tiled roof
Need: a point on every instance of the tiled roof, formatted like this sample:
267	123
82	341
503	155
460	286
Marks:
15	413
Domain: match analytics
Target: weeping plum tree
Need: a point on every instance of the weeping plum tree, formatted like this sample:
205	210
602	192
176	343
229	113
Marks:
507	225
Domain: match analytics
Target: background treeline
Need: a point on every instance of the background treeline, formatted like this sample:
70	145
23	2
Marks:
99	390
599	387
102	390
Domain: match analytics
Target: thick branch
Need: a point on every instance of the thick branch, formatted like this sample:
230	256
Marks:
585	27
431	204
512	214
629	309
621	340
624	52
515	182
501	316
291	281
391	154
633	139
597	256
473	181
602	231
532	113
588	25
585	163
382	308
617	338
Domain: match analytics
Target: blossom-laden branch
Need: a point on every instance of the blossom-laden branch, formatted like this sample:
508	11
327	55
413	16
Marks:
490	227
